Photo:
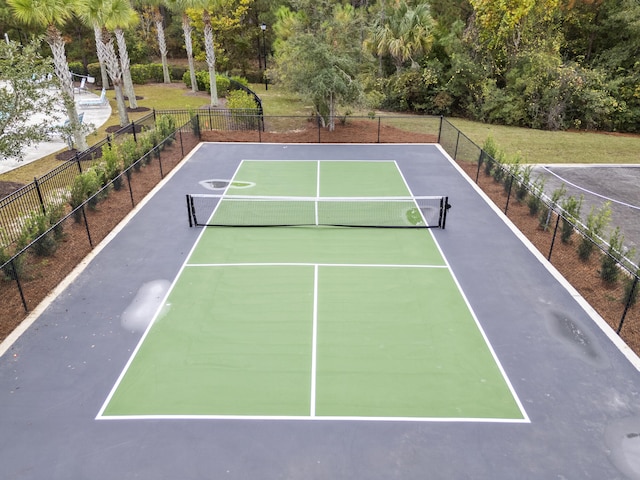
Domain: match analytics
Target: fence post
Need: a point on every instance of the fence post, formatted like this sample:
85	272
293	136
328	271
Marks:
628	304
480	160
506	207
86	224
318	120
78	163
128	174
455	152
379	129
17	279
440	130
42	206
553	239
133	130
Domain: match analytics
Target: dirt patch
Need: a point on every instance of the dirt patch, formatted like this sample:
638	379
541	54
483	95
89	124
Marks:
7	188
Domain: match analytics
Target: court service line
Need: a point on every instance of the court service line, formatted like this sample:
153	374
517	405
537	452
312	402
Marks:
314	344
474	316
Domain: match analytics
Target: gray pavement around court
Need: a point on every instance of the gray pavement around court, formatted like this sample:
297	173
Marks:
579	387
95	115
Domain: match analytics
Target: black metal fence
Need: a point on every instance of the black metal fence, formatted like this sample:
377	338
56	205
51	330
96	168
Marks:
597	269
29	274
17	207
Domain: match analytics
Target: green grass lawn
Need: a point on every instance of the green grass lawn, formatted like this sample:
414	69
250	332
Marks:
535	146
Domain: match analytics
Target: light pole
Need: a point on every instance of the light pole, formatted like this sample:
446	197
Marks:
263	27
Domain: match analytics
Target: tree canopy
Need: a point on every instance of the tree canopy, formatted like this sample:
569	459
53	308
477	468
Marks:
25	87
552	64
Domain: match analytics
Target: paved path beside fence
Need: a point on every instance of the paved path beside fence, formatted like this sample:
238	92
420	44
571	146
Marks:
97	116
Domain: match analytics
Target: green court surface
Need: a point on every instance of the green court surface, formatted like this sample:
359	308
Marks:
315	322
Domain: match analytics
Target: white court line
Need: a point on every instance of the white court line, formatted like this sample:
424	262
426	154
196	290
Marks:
314	344
473	315
316	418
317	192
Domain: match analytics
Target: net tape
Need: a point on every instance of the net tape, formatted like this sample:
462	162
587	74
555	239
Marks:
268	211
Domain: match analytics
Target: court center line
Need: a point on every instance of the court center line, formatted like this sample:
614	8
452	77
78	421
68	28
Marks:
317	191
314	344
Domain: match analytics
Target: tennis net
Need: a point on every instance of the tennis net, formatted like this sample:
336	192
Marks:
263	211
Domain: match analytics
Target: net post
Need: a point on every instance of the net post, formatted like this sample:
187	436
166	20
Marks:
444	206
189	210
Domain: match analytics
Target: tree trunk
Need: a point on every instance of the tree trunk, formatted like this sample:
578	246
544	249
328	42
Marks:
113	67
126	73
97	33
61	68
332	112
186	27
211	56
162	45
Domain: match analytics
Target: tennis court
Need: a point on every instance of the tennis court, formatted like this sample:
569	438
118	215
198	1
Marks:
317	351
315	322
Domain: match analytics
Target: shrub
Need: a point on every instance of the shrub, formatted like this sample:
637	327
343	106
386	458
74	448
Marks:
84	186
35	227
77	68
240	99
240	80
545	215
139	74
13	270
113	165
166	126
128	152
609	270
571	207
534	201
524	179
597	220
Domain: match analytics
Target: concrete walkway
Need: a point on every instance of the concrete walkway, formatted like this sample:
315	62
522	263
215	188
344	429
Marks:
97	116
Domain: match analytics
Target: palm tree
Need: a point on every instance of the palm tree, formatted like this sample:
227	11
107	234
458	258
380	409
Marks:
50	14
121	14
180	7
158	19
115	72
99	13
211	54
402	32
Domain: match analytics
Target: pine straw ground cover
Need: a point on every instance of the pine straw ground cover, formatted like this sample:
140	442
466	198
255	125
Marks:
43	274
